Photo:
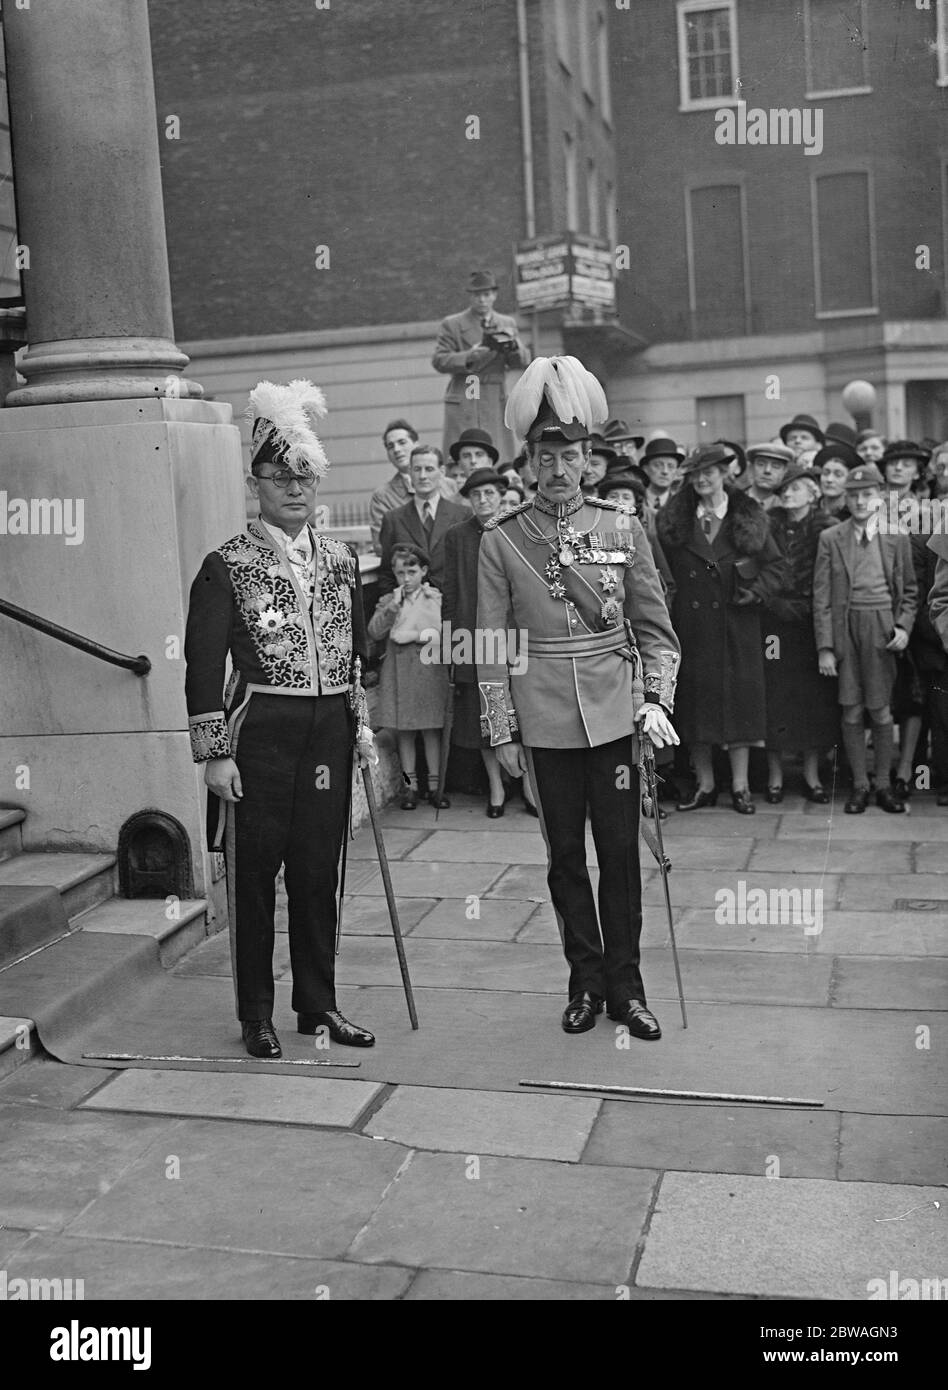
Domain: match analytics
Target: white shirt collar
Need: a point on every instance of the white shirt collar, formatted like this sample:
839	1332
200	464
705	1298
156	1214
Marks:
720	511
433	500
303	542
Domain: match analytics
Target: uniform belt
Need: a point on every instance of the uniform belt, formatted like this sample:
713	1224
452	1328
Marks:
587	644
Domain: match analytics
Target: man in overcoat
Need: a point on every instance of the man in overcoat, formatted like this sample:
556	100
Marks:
477	348
424	520
283	603
576	578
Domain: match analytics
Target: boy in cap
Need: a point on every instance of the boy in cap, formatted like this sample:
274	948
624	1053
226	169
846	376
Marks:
768	463
865	597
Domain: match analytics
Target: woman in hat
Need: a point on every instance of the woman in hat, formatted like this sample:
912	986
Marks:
833	463
725	564
802	705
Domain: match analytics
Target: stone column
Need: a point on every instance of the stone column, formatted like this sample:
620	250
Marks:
88	181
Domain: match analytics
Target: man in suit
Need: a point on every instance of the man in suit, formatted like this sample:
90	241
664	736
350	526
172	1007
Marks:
284	603
476	349
578	578
865	597
423	521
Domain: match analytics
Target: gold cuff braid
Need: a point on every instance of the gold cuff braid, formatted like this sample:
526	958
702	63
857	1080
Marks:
498	719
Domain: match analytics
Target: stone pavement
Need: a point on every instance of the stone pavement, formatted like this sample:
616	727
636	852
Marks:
429	1173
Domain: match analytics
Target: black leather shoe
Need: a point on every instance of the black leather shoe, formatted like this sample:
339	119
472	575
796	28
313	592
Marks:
580	1013
774	796
699	799
495	812
741	801
340	1029
819	795
889	801
639	1020
531	810
858	801
410	800
259	1038
901	788
440	803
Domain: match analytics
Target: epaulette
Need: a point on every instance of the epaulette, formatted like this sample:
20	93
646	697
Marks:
506	514
629	508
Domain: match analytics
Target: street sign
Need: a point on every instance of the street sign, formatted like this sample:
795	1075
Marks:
555	272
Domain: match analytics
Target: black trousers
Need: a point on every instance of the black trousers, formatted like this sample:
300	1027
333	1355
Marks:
938	719
294	755
605	782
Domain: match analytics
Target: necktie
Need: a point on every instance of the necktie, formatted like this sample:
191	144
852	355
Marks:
706	525
864	539
427	520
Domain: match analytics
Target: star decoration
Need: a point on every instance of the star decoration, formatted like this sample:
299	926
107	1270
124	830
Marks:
557	590
552	570
607	579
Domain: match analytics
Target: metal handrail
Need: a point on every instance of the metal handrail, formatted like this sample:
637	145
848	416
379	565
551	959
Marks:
139	664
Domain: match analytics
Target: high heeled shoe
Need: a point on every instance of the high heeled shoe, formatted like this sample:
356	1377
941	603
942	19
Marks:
494	812
817	794
774	796
699	799
741	801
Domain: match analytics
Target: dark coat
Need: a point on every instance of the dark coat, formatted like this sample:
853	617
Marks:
926	644
832	583
459	607
797	542
719	589
403	526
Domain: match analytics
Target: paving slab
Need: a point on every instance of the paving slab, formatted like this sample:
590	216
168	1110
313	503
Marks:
496	920
309	1196
527	883
791	1237
894	1148
11	1240
432	879
519	1216
510	1125
748	1049
479	965
398	842
715	1139
541	928
369	916
874	891
875	827
835	857
714	853
718	822
163	1272
697	888
451	1285
932	858
51	1084
697	928
900	933
326	1101
53	1164
891	984
484	846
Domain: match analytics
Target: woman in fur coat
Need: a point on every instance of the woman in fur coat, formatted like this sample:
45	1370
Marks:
725	565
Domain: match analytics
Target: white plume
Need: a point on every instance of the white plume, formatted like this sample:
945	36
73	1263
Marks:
292	410
572	391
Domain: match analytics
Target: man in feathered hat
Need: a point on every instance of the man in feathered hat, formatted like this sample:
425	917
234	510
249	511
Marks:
477	348
285	604
577	575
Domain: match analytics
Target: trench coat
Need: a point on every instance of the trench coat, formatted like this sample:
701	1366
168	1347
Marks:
458	335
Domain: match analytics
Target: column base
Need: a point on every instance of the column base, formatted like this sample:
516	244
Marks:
102	369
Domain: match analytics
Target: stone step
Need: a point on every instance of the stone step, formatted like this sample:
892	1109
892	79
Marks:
11	833
177	926
18	1043
83	880
30	917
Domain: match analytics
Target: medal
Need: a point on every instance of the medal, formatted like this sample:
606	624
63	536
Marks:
566	555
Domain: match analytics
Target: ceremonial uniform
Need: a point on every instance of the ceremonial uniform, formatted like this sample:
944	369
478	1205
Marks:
579	586
292	629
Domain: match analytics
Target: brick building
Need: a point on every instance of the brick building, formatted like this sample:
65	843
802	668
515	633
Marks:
302	133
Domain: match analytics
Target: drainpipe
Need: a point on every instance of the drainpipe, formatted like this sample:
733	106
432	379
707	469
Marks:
526	137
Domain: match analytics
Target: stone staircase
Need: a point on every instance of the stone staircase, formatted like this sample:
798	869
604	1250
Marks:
46	896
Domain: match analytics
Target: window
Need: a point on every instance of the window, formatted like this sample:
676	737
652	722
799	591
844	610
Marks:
843	244
718	274
720	417
941	41
592	197
837	56
602	55
561	31
585	48
572	191
707	54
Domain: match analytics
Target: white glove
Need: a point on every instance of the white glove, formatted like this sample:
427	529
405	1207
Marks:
367	751
657	725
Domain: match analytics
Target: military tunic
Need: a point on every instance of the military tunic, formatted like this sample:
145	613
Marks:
589	640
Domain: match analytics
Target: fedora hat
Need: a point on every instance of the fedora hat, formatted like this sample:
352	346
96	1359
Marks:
794	473
620	432
477	438
630	478
905	449
599	445
837	450
662	448
769	450
802	422
838	433
481	280
737	451
707	456
866	475
484	477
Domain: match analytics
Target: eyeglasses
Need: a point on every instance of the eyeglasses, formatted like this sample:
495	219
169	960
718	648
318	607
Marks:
283	477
